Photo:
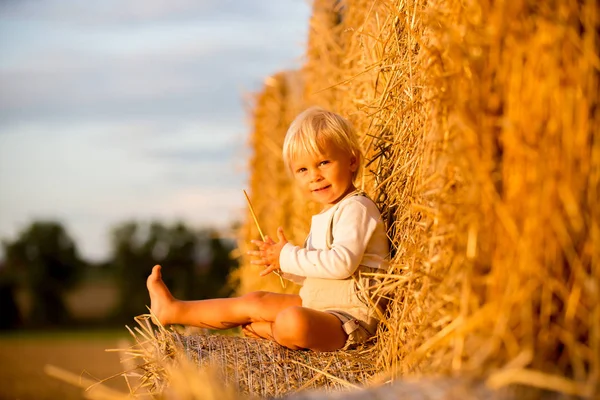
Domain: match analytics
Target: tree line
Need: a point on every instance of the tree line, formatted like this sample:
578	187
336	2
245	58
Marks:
43	260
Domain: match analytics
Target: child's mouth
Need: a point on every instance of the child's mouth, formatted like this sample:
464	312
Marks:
321	189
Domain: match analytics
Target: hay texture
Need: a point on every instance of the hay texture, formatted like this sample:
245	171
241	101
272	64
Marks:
481	124
254	367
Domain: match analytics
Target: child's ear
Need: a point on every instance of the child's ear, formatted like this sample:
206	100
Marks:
353	163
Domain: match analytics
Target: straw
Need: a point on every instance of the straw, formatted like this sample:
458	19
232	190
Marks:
250	366
254	216
276	272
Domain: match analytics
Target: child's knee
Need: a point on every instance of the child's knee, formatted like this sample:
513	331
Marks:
252	302
253	297
291	327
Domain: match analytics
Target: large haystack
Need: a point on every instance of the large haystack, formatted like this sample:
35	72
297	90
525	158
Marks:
482	121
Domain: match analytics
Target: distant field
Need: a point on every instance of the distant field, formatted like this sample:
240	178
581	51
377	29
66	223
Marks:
23	356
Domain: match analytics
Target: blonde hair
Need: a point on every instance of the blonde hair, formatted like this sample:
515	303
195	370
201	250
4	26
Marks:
315	128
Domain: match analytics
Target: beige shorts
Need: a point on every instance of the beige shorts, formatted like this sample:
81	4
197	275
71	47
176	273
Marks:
351	300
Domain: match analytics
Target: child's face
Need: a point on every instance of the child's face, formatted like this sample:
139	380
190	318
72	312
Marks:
327	177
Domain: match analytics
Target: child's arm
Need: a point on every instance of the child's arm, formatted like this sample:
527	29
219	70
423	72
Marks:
357	224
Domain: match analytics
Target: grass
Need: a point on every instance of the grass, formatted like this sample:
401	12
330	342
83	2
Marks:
71	334
23	356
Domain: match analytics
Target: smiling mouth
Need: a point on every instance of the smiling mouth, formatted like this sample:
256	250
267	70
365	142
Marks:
321	189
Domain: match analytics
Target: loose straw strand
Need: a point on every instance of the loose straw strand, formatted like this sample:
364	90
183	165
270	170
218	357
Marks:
276	272
254	216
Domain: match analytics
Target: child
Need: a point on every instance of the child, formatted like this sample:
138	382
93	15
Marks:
335	307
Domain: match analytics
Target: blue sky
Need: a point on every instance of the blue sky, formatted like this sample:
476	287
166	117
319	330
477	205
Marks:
133	109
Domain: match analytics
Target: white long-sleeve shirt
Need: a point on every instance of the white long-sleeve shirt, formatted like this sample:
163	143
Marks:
358	239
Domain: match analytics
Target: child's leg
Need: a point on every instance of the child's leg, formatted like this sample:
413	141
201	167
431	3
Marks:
301	328
279	317
261	329
215	313
305	328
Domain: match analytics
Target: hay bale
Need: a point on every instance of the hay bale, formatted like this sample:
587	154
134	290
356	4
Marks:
251	366
481	120
481	124
265	368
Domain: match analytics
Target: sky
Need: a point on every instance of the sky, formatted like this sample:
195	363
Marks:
116	110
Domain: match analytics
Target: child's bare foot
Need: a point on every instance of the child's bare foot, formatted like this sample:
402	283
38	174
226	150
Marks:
161	299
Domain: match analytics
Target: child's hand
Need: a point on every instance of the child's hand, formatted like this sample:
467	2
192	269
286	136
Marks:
269	252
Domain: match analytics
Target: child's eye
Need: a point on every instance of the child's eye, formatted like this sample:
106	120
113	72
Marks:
300	170
324	162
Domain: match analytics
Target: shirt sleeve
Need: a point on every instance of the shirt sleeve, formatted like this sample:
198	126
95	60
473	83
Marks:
298	280
353	227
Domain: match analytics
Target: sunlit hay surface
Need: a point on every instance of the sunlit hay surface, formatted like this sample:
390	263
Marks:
481	123
244	365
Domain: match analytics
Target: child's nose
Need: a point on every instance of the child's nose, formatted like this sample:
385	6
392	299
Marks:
315	175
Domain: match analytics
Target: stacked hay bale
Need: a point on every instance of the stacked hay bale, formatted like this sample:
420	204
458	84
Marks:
482	123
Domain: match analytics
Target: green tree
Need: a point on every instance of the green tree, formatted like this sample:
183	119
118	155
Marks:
10	316
137	247
46	261
182	247
195	263
221	264
132	263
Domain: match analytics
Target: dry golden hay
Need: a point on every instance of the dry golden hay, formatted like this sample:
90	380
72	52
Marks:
481	121
262	367
251	366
